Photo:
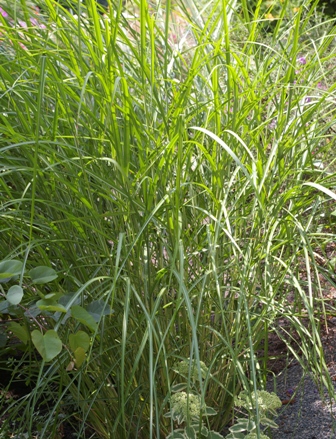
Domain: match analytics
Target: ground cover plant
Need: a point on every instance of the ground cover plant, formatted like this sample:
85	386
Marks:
167	195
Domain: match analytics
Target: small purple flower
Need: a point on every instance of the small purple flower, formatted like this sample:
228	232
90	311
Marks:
322	86
35	22
302	60
23	24
3	12
273	124
307	99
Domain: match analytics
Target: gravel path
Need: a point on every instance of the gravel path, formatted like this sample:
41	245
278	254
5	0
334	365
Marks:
310	416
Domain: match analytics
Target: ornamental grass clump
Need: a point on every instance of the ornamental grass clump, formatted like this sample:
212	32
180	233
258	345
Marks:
182	190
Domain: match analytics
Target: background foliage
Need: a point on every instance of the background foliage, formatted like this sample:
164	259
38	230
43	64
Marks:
173	164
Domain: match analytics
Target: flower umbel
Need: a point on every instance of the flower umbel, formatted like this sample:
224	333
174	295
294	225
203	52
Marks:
266	401
184	366
185	406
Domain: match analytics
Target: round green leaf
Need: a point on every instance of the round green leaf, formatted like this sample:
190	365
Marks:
79	356
14	295
42	275
83	317
79	340
48	345
9	269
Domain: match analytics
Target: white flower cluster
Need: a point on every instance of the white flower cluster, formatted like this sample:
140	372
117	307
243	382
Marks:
266	401
184	405
183	369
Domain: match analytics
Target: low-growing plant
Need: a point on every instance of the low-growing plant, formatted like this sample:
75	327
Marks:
264	403
187	407
36	320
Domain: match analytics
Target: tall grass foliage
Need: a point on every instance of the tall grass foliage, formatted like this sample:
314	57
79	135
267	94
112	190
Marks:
173	162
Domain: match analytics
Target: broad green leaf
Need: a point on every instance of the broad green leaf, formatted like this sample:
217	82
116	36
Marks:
204	430
32	312
83	317
54	296
210	411
65	299
50	305
4	307
9	269
177	434
42	275
190	433
179	418
19	331
97	309
48	345
214	435
235	436
238	427
80	339
8	308
178	387
14	295
251	425
57	316
79	356
268	422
